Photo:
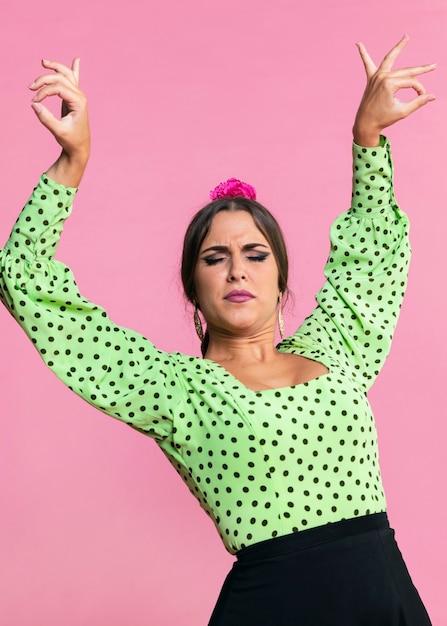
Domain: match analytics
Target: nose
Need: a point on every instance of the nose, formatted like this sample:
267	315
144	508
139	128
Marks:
236	271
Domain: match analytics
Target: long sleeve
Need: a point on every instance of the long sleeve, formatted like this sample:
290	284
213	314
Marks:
113	368
206	421
366	273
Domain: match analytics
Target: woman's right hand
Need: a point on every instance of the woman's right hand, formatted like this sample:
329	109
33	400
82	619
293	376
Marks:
72	130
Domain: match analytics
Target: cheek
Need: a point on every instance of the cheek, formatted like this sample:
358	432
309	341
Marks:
195	285
273	278
202	285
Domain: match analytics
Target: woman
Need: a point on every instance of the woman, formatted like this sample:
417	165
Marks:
277	444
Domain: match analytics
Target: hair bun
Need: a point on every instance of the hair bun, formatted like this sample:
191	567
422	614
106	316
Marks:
232	188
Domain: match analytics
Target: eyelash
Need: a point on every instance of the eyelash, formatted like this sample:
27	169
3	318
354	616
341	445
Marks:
255	259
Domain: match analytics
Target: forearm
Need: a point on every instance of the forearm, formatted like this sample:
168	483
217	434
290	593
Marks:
69	169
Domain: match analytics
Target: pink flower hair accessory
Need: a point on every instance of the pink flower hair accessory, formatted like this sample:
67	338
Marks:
232	188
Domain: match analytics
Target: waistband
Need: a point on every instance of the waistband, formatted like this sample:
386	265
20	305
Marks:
313	537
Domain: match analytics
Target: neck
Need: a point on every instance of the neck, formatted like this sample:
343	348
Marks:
257	347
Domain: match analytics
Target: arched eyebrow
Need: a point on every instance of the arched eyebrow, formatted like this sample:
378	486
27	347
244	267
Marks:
247	246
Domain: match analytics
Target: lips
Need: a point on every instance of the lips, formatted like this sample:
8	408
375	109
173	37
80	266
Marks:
239	296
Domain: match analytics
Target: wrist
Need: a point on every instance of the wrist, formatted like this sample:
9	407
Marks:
366	137
69	169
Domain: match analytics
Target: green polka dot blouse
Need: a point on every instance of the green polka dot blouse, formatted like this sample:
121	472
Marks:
261	464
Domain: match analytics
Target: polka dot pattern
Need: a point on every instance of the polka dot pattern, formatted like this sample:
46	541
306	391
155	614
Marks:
366	272
261	463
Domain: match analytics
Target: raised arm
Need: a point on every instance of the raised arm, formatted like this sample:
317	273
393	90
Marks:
72	130
366	273
113	368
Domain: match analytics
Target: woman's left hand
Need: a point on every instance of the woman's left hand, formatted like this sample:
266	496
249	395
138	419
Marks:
379	106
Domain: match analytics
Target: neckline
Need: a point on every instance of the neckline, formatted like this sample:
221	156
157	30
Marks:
239	383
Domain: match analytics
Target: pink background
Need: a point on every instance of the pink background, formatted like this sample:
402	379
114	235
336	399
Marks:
96	529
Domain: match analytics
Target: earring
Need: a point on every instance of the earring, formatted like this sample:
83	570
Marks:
280	317
198	323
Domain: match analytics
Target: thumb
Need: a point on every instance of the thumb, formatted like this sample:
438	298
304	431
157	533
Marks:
45	116
417	103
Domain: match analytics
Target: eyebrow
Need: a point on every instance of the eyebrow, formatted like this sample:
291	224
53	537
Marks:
248	246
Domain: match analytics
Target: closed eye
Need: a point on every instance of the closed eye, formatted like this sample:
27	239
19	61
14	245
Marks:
213	260
257	258
221	253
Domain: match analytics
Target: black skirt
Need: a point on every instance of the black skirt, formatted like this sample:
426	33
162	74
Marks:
350	573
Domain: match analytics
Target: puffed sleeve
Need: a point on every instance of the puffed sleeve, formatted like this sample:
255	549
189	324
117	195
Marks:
366	273
113	368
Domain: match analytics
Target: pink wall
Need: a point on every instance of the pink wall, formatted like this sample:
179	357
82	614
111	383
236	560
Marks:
96	529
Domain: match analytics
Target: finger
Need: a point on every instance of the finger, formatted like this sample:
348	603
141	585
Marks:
45	116
66	93
51	79
368	63
62	69
408	108
75	66
392	55
57	67
414	71
408	83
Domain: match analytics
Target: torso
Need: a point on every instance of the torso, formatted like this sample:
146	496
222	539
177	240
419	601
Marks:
275	447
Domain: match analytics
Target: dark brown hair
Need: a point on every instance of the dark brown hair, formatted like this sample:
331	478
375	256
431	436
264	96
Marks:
199	228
